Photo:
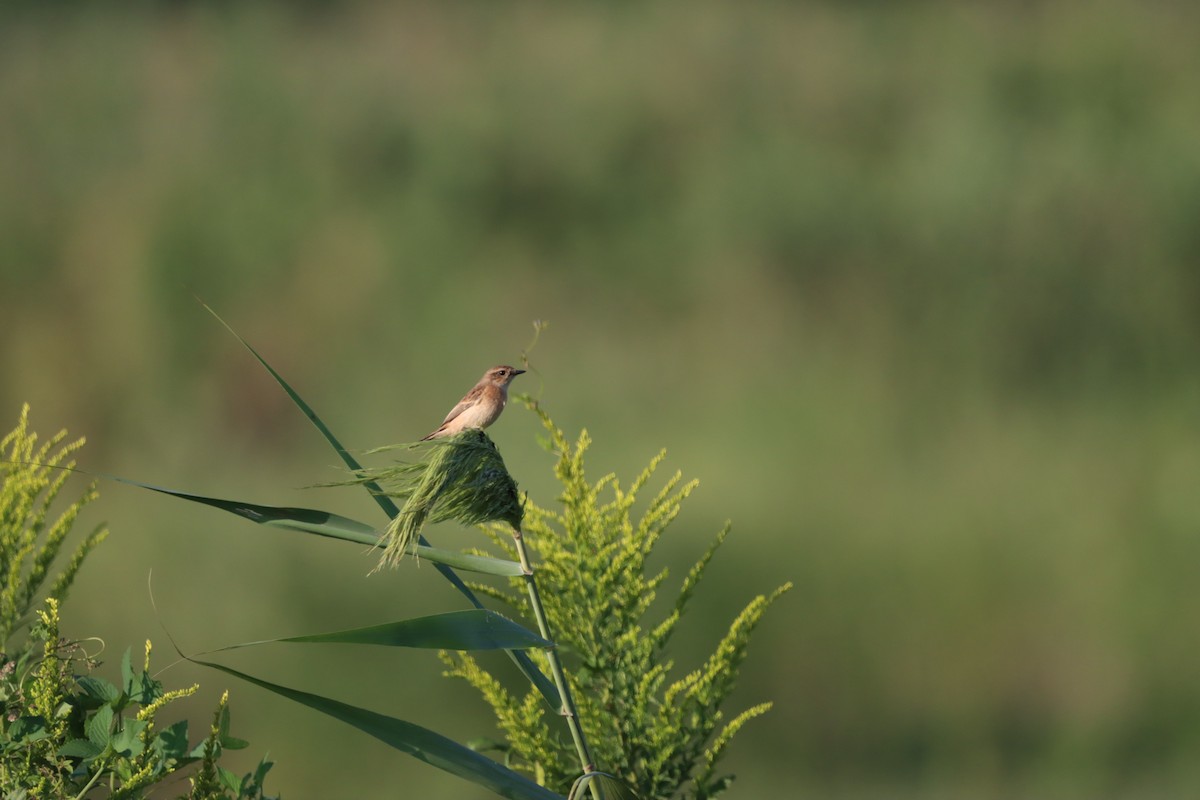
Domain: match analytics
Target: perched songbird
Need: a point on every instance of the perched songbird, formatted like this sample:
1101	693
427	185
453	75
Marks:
481	406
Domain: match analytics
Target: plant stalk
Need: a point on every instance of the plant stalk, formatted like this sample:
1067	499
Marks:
568	709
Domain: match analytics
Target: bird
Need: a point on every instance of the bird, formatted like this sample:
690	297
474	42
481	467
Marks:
481	406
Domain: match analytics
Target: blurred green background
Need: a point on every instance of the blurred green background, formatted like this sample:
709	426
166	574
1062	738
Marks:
912	288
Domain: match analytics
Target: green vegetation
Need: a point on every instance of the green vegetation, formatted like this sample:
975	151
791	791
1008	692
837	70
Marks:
71	734
67	732
910	287
663	738
655	743
32	477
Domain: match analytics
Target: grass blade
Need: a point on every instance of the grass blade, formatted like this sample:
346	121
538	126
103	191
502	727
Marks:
421	743
384	501
468	562
309	520
335	526
456	630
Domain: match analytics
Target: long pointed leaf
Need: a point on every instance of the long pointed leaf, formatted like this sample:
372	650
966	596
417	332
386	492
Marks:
421	743
456	630
544	685
309	520
382	499
469	562
334	526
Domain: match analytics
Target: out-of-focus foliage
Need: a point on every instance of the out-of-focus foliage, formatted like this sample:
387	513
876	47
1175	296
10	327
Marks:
911	287
1006	189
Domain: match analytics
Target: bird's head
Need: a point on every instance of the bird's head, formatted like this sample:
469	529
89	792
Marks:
502	376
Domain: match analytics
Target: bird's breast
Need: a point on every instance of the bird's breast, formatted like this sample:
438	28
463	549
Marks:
481	414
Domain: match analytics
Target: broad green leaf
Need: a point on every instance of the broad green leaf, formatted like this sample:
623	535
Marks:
229	780
27	729
234	743
172	742
421	743
98	726
146	689
80	748
128	740
98	689
456	630
544	685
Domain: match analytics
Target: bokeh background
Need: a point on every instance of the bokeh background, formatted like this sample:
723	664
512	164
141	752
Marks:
912	288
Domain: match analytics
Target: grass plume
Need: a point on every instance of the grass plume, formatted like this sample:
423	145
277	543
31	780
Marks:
462	478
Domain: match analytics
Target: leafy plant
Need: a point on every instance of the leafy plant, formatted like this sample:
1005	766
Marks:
663	738
67	732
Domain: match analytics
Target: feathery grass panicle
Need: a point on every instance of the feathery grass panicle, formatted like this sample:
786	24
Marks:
463	479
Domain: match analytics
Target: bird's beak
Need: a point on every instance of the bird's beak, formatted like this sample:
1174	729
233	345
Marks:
517	372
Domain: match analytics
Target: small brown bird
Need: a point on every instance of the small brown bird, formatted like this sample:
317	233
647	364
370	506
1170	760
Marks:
481	406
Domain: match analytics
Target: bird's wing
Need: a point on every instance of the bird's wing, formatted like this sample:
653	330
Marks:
462	406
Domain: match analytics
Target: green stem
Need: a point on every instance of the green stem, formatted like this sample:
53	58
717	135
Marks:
100	767
560	680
